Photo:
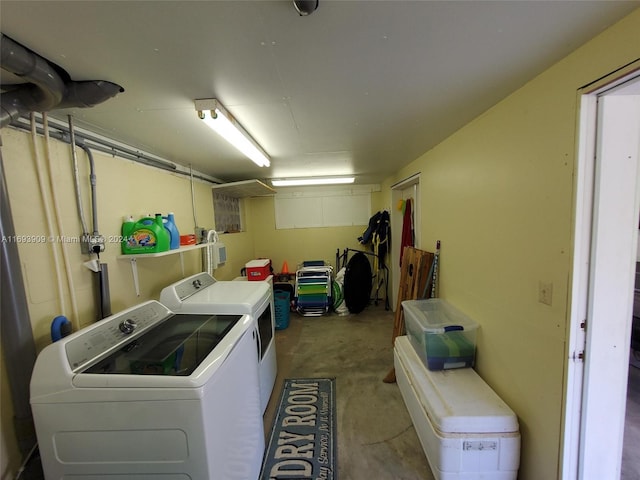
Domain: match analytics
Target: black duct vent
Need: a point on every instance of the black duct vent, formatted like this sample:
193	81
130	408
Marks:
47	86
305	7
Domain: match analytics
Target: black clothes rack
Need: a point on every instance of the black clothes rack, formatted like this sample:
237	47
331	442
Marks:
380	277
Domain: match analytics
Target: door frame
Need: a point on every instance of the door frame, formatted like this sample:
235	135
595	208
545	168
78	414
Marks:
398	191
607	199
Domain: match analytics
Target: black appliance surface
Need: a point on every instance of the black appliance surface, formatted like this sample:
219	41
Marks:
175	347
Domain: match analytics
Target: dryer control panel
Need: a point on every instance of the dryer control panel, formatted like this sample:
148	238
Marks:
94	342
193	284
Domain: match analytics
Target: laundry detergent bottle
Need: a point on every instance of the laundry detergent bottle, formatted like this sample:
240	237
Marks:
147	235
174	235
127	224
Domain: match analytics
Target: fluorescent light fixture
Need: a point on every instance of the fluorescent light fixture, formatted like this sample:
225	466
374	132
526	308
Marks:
211	112
297	182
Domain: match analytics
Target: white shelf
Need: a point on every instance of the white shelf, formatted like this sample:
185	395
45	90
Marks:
162	254
245	188
133	259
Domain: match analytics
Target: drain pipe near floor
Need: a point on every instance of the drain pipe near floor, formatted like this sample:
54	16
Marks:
95	243
101	277
18	344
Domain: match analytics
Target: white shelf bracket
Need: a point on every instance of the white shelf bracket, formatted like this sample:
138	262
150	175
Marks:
134	272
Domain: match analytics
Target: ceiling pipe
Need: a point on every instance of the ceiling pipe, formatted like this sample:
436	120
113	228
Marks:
45	89
88	93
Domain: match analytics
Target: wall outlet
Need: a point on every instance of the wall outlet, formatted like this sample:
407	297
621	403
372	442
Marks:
92	244
545	292
201	235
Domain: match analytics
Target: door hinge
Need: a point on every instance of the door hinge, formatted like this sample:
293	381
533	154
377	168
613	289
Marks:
578	356
583	325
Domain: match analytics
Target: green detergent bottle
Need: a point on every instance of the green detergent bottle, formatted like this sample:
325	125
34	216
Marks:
147	235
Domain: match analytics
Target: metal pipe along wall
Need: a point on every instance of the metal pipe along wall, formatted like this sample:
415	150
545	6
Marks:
16	332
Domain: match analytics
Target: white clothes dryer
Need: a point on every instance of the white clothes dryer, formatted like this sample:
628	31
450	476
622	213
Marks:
202	293
147	394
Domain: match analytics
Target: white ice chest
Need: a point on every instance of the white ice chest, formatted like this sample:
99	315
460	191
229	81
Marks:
467	432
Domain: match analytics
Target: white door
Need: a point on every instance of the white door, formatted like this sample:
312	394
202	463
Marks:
607	206
408	188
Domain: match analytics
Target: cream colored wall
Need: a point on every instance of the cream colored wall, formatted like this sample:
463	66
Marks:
380	200
297	244
499	196
123	187
239	252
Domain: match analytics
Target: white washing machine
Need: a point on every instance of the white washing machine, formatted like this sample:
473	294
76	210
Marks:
147	394
202	293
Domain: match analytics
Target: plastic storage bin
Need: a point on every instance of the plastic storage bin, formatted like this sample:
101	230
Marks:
442	336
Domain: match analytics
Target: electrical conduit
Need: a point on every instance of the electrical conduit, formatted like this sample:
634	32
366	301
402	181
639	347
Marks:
76	179
93	180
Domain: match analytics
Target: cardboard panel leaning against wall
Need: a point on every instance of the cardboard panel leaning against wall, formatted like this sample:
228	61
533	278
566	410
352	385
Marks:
48	226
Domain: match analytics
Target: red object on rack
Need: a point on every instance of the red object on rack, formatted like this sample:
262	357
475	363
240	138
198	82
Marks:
407	229
187	239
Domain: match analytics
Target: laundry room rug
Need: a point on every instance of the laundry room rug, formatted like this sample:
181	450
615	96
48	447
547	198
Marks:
303	439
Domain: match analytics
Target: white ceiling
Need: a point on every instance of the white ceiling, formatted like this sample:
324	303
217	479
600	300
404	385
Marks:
358	87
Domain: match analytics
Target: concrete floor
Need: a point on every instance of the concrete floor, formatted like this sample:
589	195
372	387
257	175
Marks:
376	438
631	446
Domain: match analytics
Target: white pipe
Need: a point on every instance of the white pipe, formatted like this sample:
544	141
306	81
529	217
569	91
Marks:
209	261
64	246
47	215
102	144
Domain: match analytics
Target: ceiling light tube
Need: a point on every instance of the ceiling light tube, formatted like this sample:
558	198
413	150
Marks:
218	119
297	182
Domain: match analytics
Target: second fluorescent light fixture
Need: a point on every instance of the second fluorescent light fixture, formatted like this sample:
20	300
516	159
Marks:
211	112
297	182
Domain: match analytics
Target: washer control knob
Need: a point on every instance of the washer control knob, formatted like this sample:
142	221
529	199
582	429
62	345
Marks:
127	326
197	283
